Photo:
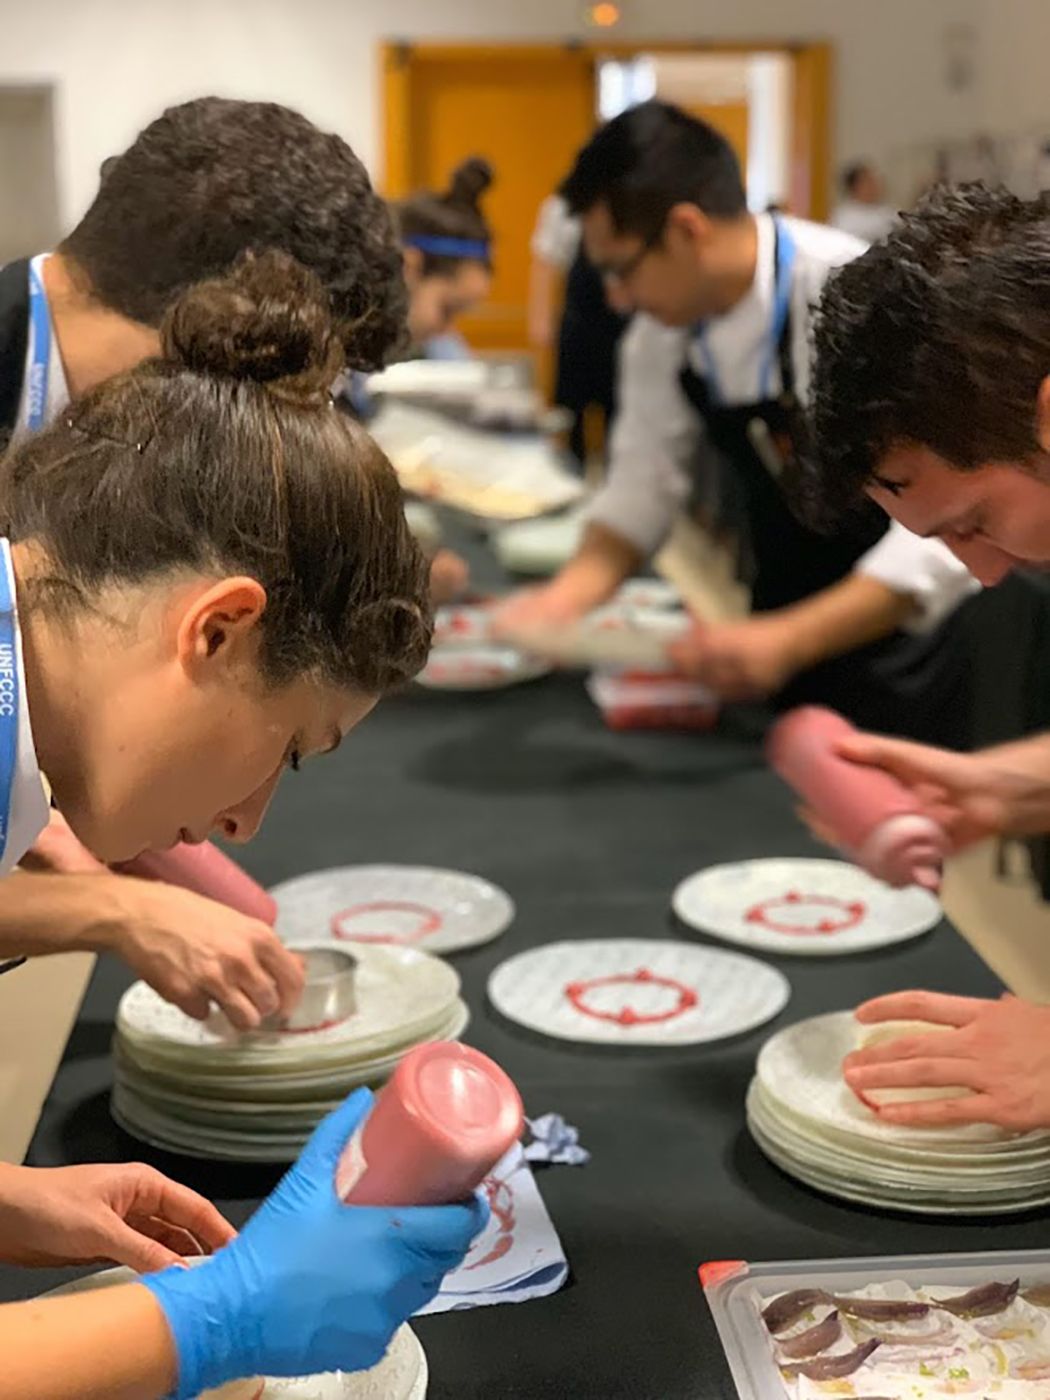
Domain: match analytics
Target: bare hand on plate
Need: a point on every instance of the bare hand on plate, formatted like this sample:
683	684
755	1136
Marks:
998	1050
126	1213
449	577
737	660
545	606
194	951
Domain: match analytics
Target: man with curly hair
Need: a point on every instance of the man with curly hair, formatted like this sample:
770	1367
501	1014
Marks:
931	397
202	184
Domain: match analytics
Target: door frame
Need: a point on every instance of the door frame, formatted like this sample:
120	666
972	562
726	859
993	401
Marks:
813	66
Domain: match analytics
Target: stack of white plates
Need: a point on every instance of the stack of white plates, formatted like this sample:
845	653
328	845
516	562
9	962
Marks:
203	1089
809	1122
401	1375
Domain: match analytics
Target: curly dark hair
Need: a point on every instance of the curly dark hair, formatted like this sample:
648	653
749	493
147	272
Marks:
938	337
226	456
214	178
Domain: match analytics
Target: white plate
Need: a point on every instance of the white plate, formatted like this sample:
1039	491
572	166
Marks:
441	911
461	624
539	547
850	1190
649	593
399	990
914	1174
265	1094
401	1375
810	907
635	991
800	1068
479	666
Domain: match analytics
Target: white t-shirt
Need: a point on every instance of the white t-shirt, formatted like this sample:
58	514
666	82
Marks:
657	433
57	389
29	802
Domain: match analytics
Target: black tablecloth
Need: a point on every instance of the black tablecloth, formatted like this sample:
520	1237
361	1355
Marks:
590	832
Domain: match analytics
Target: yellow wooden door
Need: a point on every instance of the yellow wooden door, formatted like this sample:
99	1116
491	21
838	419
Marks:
527	109
730	118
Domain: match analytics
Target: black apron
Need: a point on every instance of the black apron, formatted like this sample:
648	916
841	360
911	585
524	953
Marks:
901	684
14	338
588	337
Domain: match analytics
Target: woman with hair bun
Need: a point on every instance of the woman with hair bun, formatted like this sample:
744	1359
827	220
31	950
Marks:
205	579
448	253
448	270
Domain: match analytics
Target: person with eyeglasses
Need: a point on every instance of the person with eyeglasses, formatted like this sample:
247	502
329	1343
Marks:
713	382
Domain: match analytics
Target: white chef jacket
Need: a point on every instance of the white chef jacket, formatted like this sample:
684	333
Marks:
658	433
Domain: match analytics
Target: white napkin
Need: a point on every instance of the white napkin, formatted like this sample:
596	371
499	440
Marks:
517	1256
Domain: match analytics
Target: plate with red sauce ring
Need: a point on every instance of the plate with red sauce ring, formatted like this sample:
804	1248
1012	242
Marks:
813	908
415	906
637	991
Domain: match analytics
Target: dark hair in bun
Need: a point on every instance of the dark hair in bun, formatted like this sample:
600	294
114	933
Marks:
455	213
268	321
226	456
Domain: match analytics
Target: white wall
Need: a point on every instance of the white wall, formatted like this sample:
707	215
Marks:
1015	42
116	63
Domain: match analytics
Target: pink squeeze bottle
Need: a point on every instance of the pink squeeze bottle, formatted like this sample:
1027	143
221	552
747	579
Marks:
435	1131
875	818
205	870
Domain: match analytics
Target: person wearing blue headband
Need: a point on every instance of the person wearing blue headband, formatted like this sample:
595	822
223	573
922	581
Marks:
448	270
448	252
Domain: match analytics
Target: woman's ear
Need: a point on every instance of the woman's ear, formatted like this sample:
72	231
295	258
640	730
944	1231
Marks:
219	624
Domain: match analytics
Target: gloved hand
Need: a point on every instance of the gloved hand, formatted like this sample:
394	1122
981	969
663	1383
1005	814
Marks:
311	1284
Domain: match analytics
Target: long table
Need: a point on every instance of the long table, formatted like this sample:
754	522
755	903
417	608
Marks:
589	831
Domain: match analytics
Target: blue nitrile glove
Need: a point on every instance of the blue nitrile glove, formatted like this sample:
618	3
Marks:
311	1284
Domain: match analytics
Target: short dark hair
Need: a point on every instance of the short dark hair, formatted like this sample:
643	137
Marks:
225	456
647	160
214	178
452	213
938	336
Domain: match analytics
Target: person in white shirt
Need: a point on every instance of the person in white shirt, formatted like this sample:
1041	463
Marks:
863	211
714	373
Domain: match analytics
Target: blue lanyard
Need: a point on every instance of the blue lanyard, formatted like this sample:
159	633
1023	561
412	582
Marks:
784	260
40	357
9	695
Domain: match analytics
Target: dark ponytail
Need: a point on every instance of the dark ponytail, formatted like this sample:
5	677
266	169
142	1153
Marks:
449	228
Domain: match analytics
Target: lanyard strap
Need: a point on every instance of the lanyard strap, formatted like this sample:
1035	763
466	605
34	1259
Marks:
40	354
783	266
9	696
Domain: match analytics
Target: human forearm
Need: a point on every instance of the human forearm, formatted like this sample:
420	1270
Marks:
114	1344
60	913
850	614
602	562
